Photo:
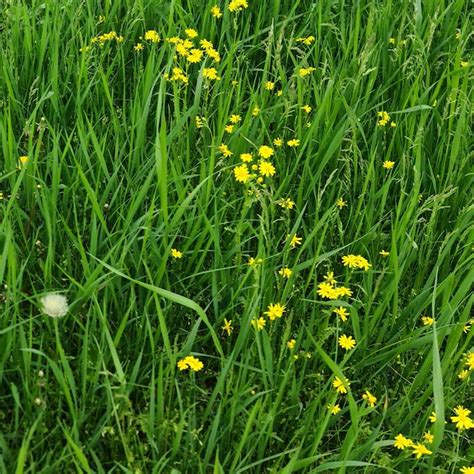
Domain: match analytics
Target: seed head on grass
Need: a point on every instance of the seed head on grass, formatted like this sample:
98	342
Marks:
54	305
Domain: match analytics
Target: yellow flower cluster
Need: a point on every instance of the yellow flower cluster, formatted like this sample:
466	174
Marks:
418	449
384	119
355	261
106	38
237	5
308	40
190	362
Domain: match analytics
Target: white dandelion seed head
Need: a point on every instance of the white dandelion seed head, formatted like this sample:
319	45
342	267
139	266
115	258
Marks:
54	305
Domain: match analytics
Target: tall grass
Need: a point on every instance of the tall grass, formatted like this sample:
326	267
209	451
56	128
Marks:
118	174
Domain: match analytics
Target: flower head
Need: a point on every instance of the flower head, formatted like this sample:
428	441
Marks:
216	11
275	310
291	344
265	168
295	241
369	398
347	342
388	165
259	323
152	35
401	442
341	386
419	449
462	419
190	362
341	312
54	305
334	409
241	173
265	152
227	327
285	272
175	253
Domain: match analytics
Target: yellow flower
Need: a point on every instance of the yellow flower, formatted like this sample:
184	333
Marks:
388	165
241	173
265	152
152	35
401	442
470	361
227	326
432	417
340	203
286	203
265	168
384	118
341	312
428	437
467	470
269	85
229	128
391	40
342	291
278	142
427	320
225	150
246	157
384	253
237	5
216	11
419	449
210	73
255	110
295	241
235	118
306	71
462	419
190	362
355	261
341	386
293	143
274	310
285	272
326	290
23	161
254	261
307	108
258	324
199	121
291	344
178	75
190	33
347	342
369	398
175	253
138	47
195	55
464	63
334	409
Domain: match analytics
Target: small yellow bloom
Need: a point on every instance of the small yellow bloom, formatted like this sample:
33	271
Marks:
388	165
291	344
152	35
216	11
467	470
307	108
210	73
235	118
224	149
341	312
293	143
340	203
419	449
190	362
462	419
306	71
401	442
254	261
384	253
266	169
286	203
23	161
369	398
464	63
269	85
138	47
175	253
190	33
347	342
285	272
255	110
295	241
274	310
428	437
237	5
265	152
229	128
427	320
241	173
334	409
194	56
341	386
227	327
278	142
470	361
246	157
432	417
258	324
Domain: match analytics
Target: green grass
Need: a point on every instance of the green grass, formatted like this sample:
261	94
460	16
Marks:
118	174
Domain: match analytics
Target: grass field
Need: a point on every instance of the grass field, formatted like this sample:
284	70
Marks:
261	217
